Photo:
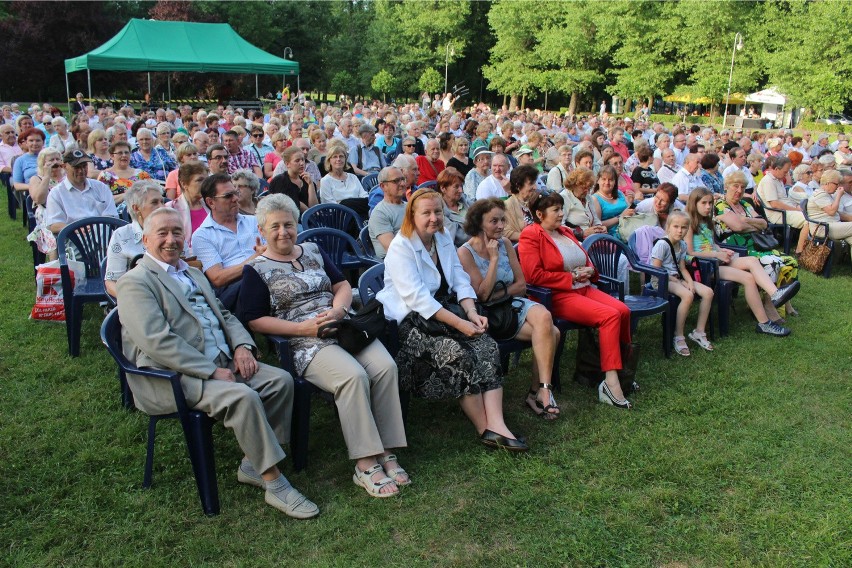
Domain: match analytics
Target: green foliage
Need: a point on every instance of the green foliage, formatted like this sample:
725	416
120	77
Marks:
343	83
430	81
383	82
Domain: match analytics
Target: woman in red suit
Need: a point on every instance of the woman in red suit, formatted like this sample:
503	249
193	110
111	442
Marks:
551	257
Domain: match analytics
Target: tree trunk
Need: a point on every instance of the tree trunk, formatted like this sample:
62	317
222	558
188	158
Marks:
524	101
714	111
513	103
628	105
504	101
572	106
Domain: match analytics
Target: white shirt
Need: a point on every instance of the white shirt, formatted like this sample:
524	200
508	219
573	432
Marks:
490	187
66	203
746	172
332	190
686	182
666	174
411	277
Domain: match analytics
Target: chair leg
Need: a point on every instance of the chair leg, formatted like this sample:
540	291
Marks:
668	335
13	204
203	461
301	424
723	304
74	325
126	393
555	378
149	458
404	399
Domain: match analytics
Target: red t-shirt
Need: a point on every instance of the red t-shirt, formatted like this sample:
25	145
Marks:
429	170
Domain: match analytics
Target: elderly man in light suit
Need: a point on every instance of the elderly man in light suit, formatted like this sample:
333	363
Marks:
172	320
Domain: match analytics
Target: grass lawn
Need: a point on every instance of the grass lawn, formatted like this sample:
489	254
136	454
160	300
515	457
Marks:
738	457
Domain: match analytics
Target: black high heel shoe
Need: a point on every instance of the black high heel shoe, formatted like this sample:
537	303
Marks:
605	395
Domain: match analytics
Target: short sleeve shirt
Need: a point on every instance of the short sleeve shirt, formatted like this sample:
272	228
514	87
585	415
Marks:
216	244
385	218
663	252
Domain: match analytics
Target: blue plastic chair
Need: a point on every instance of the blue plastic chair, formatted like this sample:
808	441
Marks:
605	252
781	228
343	250
331	216
90	237
427	184
367	243
197	426
369	181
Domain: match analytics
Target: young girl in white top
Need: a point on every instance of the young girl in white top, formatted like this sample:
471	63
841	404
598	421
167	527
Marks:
669	253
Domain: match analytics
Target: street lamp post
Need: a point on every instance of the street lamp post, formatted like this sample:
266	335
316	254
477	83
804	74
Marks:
288	53
450	51
738	45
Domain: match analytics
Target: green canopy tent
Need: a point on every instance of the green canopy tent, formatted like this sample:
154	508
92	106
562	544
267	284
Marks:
151	45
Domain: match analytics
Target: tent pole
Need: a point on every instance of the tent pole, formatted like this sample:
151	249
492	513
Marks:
256	90
89	80
149	82
169	83
68	94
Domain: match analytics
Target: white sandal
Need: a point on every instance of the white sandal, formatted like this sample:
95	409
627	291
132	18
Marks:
373	488
680	346
395	472
700	338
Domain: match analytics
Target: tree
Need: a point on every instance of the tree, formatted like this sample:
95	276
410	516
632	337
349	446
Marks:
430	81
404	36
383	82
343	83
806	53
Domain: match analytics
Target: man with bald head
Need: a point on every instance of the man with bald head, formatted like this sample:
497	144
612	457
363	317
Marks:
688	177
497	184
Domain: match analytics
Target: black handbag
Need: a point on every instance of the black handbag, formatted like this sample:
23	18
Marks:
502	313
434	327
764	240
359	330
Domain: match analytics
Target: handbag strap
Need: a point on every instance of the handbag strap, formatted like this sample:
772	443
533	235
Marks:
497	285
674	255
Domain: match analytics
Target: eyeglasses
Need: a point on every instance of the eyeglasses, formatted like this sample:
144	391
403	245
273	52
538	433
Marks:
408	145
124	153
258	135
809	172
229	195
218	157
395	181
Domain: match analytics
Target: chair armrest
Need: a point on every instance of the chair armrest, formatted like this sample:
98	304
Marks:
783	213
613	284
709	270
540	294
742	251
282	349
152	372
662	277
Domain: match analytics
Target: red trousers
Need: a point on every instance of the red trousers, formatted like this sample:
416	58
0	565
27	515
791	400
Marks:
591	307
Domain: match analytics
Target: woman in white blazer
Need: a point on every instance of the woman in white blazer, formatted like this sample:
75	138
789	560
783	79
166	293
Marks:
425	284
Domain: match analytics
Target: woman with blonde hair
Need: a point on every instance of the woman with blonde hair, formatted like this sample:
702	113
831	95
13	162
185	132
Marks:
99	153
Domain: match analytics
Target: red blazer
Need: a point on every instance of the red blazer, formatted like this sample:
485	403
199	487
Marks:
542	262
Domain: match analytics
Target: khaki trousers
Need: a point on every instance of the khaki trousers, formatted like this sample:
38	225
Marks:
366	392
259	411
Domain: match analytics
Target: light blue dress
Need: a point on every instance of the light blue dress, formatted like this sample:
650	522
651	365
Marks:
504	274
610	210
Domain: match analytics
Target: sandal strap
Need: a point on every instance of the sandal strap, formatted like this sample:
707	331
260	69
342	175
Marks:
386	459
546	386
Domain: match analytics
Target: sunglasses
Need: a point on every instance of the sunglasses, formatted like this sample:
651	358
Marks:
258	135
229	195
408	145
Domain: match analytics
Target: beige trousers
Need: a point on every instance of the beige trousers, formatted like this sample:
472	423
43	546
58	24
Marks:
259	411
366	392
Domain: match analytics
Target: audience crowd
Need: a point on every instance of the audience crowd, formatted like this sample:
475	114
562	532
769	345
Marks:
465	209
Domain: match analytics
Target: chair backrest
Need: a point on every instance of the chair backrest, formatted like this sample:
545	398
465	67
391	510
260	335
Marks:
542	181
111	338
371	282
605	252
642	241
366	241
91	238
368	182
426	184
111	299
333	242
331	216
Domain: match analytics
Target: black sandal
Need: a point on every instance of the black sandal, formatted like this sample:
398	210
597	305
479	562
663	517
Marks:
540	409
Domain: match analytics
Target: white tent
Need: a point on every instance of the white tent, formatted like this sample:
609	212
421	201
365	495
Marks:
773	105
